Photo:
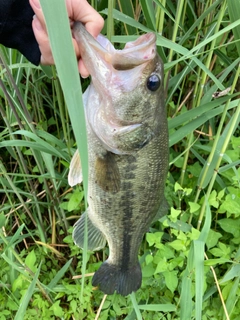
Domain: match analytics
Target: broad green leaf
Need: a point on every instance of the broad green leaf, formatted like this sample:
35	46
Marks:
75	200
230	225
171	280
178	245
31	260
57	309
193	206
212	238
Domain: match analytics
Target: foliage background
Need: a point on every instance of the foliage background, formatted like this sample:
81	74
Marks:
190	259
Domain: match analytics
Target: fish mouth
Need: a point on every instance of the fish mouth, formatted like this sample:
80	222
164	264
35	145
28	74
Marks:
105	63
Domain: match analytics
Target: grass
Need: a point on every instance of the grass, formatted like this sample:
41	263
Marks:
190	259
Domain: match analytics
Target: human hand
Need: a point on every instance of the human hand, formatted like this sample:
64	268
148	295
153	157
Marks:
78	10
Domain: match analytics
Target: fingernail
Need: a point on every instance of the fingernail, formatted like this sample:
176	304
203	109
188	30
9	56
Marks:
37	23
36	4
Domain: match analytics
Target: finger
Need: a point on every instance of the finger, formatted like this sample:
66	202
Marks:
43	42
82	69
82	11
35	4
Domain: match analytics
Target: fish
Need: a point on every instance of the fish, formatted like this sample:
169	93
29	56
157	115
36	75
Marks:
127	136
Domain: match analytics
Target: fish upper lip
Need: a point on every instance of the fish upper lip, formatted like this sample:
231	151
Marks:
134	53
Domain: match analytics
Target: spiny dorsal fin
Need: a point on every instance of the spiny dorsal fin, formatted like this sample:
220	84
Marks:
107	173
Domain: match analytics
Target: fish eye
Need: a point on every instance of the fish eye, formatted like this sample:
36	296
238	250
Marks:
153	82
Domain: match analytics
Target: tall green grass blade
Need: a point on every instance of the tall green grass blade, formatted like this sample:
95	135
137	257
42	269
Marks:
57	23
25	300
135	306
126	7
186	303
59	275
158	307
234	272
232	298
40	146
165	10
149	13
199	246
234	13
66	64
110	23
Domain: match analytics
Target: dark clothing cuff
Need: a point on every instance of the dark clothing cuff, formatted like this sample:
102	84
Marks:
16	28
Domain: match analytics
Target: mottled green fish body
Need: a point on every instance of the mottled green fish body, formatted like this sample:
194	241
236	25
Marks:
128	154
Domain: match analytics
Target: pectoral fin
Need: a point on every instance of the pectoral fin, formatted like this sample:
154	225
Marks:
95	238
75	172
107	173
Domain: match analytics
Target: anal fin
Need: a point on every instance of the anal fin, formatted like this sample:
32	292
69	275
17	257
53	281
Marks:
96	239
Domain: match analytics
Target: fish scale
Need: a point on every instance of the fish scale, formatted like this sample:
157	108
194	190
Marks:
127	151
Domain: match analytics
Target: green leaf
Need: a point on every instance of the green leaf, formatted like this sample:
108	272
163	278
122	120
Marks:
193	206
212	238
75	200
171	280
178	245
230	225
231	205
57	309
175	213
148	271
31	260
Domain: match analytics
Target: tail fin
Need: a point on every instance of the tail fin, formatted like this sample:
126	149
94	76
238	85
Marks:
111	278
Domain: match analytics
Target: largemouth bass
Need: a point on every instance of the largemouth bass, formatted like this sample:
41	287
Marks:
128	154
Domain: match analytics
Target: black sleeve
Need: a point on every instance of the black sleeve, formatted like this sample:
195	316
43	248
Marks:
16	28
